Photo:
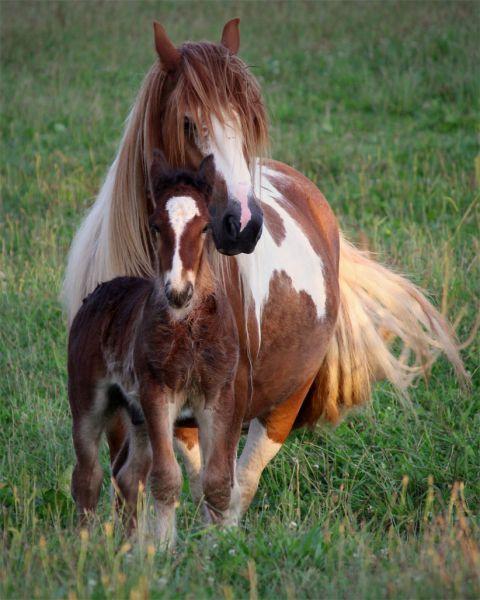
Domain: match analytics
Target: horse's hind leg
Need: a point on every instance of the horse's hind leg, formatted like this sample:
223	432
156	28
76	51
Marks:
187	443
264	440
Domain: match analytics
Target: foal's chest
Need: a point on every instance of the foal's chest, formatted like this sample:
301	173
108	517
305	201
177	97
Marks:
193	355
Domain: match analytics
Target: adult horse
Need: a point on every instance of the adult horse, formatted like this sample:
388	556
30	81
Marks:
316	317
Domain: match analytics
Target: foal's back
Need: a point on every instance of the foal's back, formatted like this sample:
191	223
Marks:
105	328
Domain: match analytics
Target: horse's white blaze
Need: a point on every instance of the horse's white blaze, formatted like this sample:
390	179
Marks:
181	210
295	255
227	149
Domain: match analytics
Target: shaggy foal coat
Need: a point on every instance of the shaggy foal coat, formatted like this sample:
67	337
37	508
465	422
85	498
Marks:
147	348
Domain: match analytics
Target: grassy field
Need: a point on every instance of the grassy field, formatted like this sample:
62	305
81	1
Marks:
378	104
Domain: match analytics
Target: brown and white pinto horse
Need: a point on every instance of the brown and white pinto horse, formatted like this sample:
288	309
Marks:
147	348
316	317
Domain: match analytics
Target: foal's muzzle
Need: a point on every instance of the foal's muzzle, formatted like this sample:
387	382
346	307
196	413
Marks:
178	298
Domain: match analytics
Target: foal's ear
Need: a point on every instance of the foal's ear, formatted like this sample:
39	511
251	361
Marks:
206	171
231	36
159	167
168	54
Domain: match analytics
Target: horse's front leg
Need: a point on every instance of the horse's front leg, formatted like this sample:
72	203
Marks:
220	423
160	410
265	438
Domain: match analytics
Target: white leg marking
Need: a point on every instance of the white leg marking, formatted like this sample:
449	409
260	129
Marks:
258	452
193	465
165	526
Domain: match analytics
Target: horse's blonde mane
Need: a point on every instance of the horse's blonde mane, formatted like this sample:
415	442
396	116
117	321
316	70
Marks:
114	239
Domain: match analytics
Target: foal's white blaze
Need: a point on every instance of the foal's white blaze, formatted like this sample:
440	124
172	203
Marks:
295	255
227	149
181	210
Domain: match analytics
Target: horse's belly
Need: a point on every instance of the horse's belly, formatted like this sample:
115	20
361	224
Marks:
292	347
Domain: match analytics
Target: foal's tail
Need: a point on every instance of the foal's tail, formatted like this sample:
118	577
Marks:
377	308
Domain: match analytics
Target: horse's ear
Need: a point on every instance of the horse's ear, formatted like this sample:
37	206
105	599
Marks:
206	171
159	167
168	54
231	36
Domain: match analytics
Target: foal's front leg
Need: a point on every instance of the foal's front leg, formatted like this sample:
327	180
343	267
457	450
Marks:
160	410
220	427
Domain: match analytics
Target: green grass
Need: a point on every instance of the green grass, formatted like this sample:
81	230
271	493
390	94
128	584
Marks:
378	104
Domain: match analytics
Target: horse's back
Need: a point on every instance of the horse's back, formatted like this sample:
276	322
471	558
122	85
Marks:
310	203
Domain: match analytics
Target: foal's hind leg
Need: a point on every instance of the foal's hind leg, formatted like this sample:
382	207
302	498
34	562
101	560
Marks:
264	440
116	430
132	472
87	474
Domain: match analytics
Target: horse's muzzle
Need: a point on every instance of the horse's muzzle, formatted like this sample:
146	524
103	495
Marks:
227	234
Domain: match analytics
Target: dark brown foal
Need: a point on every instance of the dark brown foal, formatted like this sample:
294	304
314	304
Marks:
145	349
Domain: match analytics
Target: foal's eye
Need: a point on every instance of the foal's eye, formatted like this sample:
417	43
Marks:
154	228
206	228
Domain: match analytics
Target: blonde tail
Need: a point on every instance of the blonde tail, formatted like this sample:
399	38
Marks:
377	308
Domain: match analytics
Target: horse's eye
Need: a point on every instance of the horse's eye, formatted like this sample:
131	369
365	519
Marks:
188	125
154	228
206	228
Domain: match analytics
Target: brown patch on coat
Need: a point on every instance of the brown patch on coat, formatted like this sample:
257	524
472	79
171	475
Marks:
279	422
273	222
308	206
187	435
293	344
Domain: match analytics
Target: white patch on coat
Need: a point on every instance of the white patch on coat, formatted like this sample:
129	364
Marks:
181	210
295	256
227	149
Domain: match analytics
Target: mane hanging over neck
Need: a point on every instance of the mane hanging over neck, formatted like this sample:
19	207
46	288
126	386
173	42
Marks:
209	81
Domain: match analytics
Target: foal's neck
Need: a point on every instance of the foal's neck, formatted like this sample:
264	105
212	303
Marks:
205	282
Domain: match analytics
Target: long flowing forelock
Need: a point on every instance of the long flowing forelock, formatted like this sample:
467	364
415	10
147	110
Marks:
213	82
